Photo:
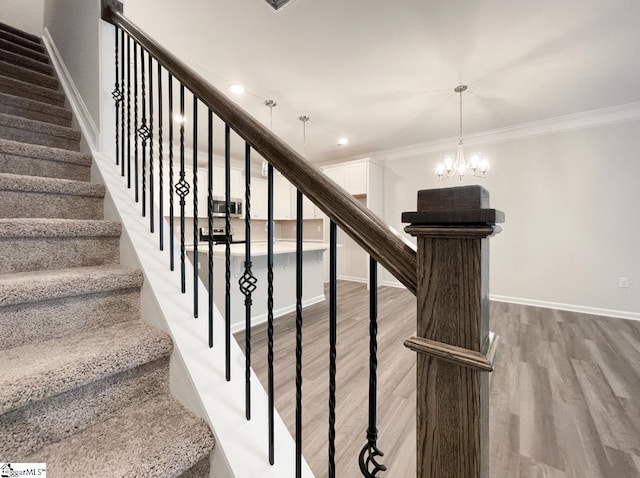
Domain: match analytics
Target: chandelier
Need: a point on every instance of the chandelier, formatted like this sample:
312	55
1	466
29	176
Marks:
477	165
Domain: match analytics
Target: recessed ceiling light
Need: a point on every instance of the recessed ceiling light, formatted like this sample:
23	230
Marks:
237	89
179	118
342	141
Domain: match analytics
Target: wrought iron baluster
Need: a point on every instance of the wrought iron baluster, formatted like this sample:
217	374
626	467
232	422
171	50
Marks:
171	212
210	221
368	458
227	252
135	119
299	252
151	188
270	231
182	189
248	280
116	94
143	132
332	346
123	61
195	206
129	112
160	159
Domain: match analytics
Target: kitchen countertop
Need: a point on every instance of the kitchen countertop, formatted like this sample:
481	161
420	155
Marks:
259	248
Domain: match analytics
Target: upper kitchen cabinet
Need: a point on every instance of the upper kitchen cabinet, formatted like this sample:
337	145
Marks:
283	198
219	182
258	198
361	178
356	178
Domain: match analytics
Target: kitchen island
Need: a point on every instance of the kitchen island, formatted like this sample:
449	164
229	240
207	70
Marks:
284	278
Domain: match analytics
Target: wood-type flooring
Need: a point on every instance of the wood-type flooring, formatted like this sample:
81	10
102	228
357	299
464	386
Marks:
565	395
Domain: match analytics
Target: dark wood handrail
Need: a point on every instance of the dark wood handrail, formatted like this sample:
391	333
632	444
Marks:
363	226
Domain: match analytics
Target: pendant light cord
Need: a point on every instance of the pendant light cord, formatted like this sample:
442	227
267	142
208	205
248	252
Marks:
460	137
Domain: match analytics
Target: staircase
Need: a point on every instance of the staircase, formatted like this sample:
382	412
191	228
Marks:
84	381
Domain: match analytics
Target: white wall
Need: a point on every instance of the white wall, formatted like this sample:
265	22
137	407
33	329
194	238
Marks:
26	15
74	27
572	214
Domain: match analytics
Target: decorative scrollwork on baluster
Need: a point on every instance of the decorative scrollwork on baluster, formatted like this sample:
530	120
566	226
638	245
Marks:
368	457
144	132
247	283
182	189
117	95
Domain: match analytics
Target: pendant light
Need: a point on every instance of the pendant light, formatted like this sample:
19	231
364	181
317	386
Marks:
269	104
477	165
304	119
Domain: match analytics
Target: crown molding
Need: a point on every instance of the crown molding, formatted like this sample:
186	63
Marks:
559	124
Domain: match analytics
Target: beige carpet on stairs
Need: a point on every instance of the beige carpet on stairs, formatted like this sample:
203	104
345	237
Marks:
84	381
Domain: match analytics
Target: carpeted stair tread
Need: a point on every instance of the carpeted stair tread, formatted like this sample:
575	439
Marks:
26	62
47	153
22	41
34	110
154	439
44	304
35	184
29	244
44	161
51	228
28	75
22	33
40	370
31	131
16	87
8	45
23	287
24	196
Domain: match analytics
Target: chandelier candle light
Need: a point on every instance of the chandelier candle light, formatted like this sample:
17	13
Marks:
477	165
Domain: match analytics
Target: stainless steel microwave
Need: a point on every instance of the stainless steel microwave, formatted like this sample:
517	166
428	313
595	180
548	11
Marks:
220	207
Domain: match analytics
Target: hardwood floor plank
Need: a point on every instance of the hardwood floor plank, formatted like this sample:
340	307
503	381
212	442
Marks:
564	394
538	439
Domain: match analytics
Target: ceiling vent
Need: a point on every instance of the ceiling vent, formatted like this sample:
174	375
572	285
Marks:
279	4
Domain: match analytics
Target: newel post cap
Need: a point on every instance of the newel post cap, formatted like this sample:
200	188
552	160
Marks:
463	207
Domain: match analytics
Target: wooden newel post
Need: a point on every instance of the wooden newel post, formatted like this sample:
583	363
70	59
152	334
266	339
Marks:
455	348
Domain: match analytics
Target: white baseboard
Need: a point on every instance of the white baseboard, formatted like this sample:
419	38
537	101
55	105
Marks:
353	279
619	314
392	283
261	319
87	124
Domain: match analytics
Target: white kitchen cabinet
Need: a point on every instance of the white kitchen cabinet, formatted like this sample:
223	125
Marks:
310	210
355	178
283	199
258	198
362	179
237	182
336	173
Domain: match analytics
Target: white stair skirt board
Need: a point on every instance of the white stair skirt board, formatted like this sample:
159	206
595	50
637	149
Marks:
241	445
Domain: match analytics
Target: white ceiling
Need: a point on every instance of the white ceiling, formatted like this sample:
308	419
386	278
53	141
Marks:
383	73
